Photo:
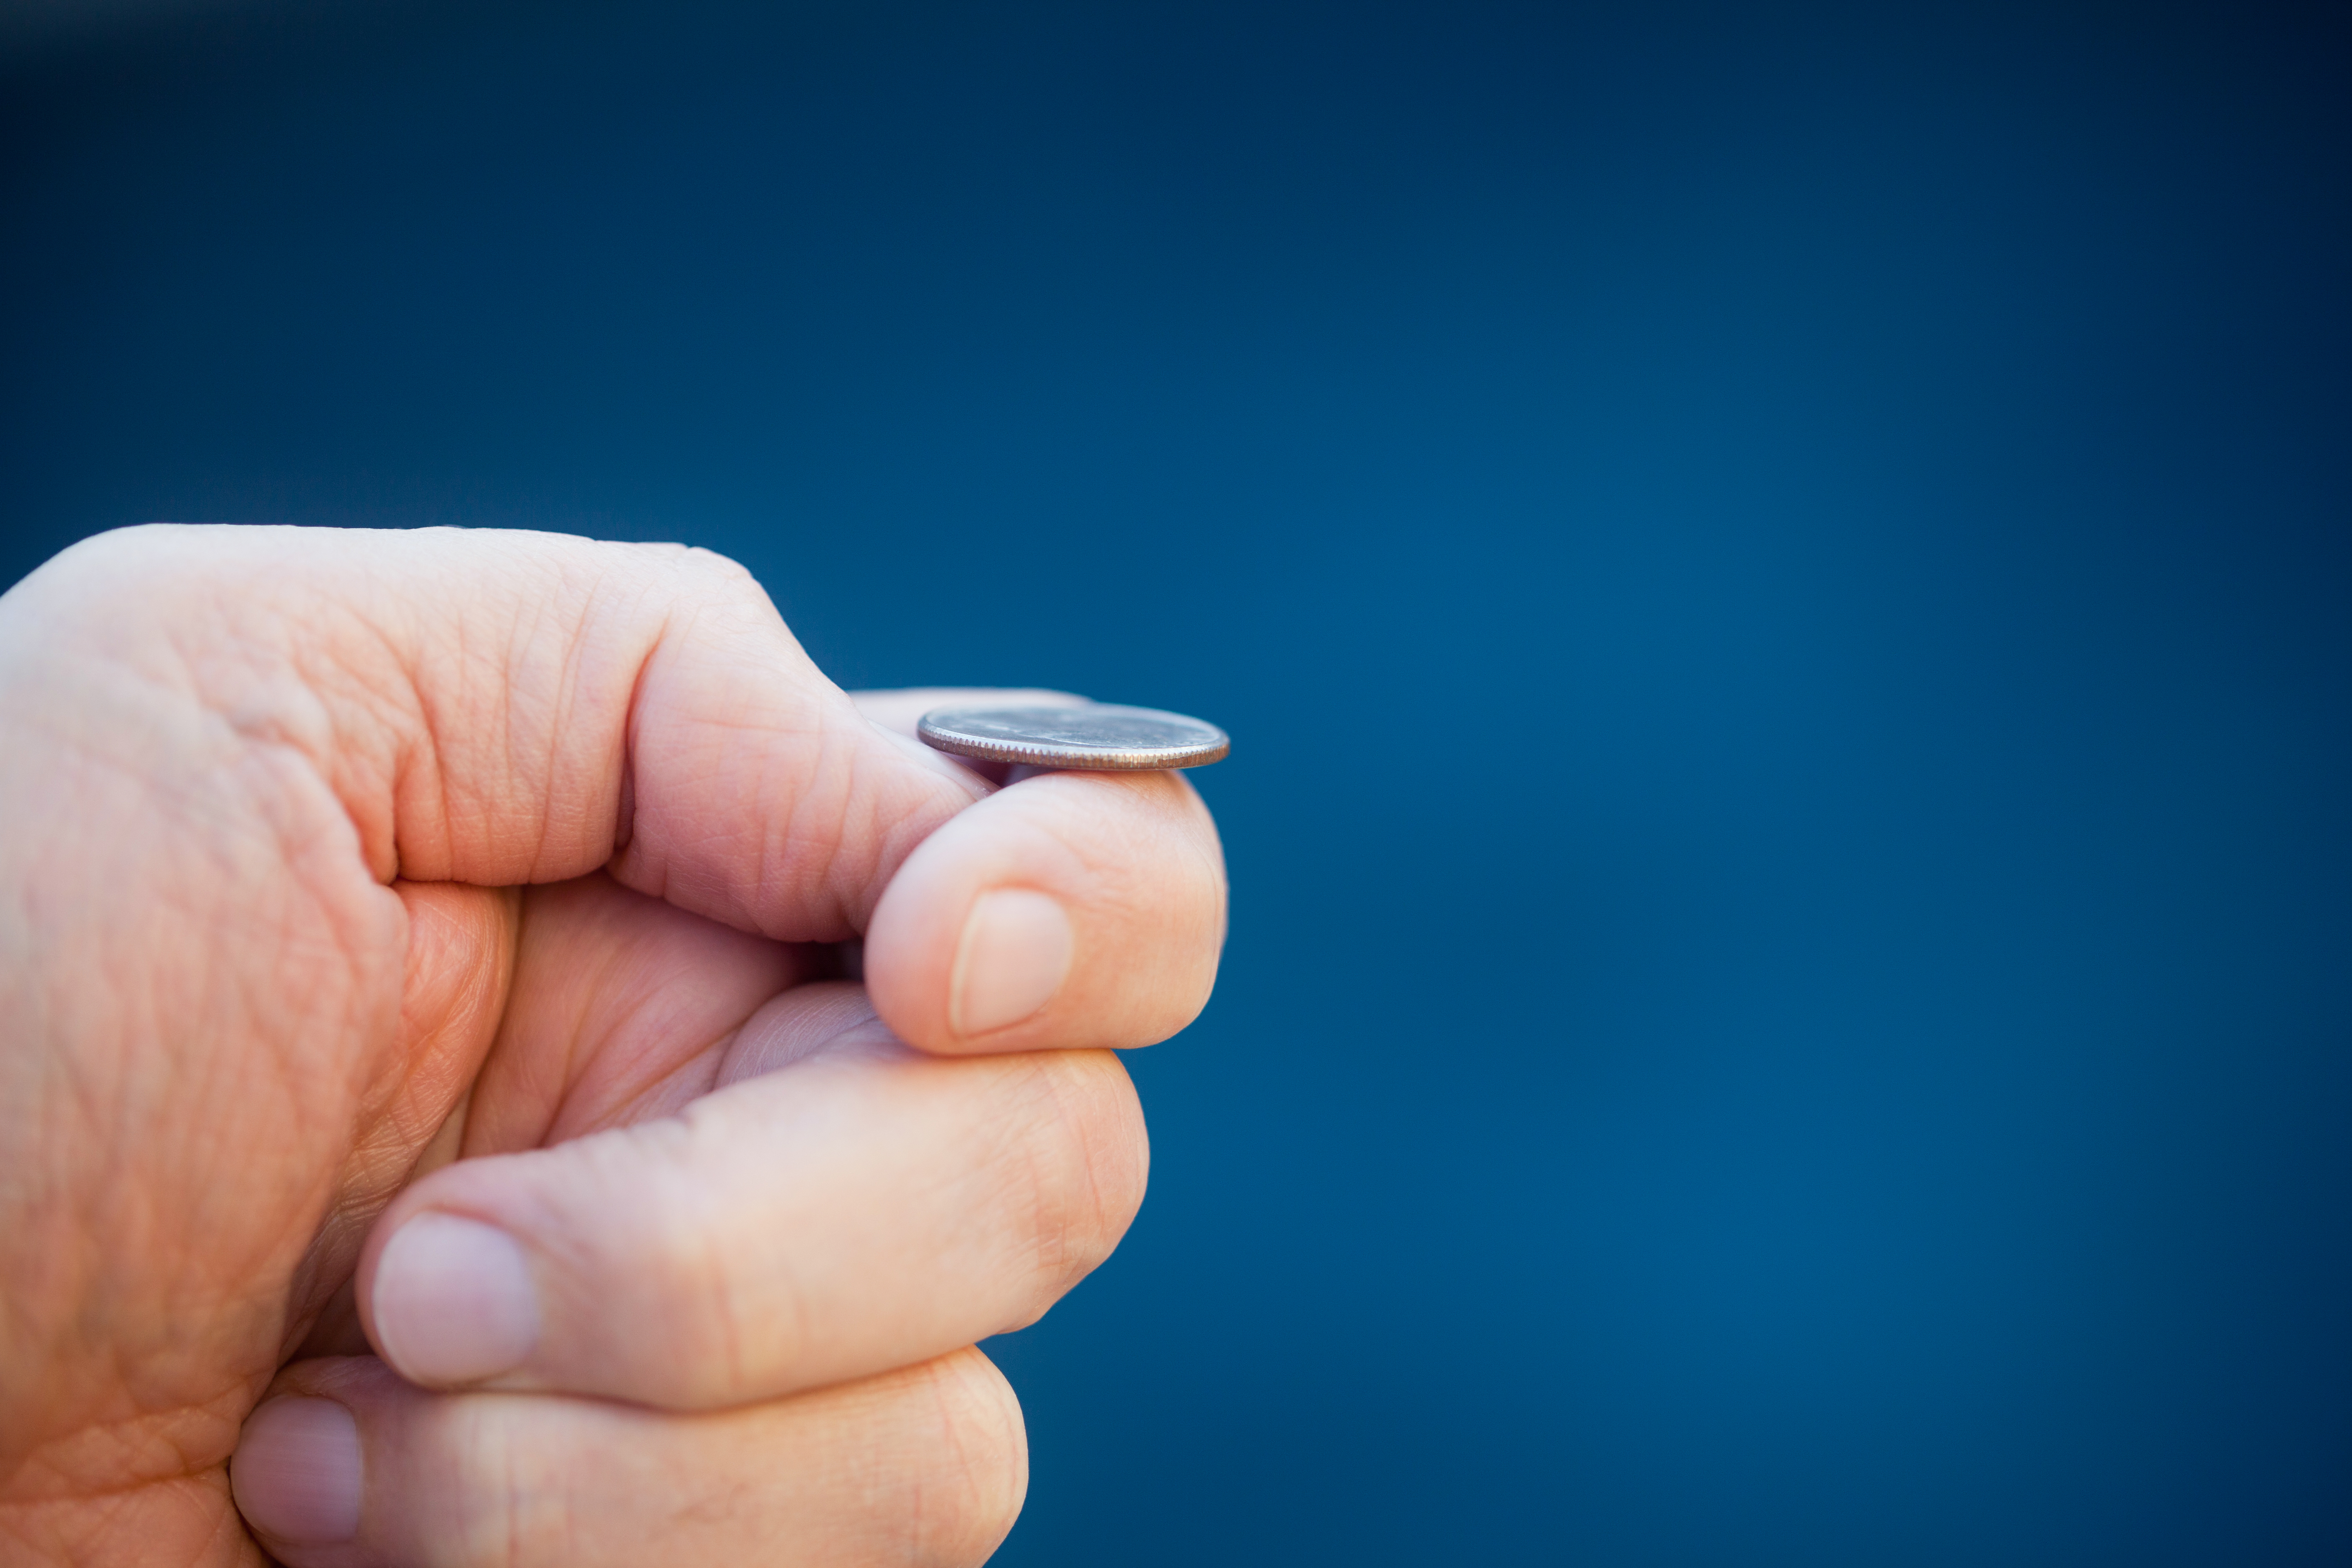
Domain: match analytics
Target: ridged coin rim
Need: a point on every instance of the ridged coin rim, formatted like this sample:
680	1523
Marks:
937	730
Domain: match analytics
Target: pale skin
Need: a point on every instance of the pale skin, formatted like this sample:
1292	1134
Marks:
436	1125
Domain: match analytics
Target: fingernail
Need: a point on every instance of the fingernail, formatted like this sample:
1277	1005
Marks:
296	1475
1014	955
454	1300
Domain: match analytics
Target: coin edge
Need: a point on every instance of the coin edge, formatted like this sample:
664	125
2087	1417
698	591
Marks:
1129	761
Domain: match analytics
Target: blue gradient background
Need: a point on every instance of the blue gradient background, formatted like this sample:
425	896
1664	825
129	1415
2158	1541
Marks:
1832	1047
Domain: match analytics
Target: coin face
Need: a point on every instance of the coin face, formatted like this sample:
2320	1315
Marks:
1100	736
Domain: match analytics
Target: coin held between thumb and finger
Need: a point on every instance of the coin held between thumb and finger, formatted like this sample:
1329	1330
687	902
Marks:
1102	737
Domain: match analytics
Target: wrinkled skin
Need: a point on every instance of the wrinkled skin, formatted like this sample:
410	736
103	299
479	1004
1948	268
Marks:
493	882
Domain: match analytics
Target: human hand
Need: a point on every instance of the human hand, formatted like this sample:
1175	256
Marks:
421	941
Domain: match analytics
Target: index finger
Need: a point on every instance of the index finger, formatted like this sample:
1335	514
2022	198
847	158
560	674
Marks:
1070	909
487	707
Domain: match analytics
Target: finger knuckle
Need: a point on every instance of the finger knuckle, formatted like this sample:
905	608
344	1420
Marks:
718	577
1080	1158
722	1323
498	1507
971	1471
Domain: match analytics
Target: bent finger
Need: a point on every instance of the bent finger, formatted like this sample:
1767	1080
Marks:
497	708
346	1466
1068	909
844	1204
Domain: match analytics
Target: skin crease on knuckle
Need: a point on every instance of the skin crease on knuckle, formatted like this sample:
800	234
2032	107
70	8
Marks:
1078	1153
1035	1162
984	1463
690	1341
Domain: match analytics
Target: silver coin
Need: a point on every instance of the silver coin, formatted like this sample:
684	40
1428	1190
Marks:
1100	736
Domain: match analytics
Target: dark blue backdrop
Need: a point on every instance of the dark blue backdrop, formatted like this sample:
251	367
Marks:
1835	1046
